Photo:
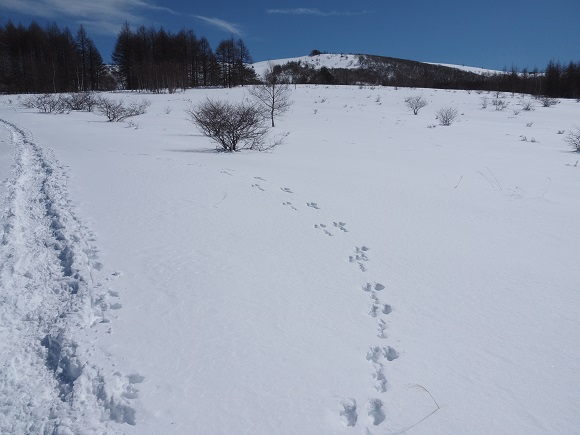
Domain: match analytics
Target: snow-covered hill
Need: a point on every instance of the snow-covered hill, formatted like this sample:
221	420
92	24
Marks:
378	273
347	61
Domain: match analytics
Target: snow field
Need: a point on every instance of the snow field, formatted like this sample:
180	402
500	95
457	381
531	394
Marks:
376	273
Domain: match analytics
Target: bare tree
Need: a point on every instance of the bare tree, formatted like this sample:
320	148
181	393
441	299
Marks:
415	103
233	126
273	96
446	115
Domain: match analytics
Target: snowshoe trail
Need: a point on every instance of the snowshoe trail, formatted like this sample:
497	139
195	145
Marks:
54	378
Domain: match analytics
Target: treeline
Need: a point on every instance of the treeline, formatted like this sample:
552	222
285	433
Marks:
562	80
557	80
42	60
154	60
36	59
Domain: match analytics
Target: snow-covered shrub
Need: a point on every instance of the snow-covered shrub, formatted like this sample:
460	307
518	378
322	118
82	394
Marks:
233	126
415	103
573	139
484	102
119	110
446	115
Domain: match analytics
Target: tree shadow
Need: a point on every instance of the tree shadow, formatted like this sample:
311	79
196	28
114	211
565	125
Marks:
197	150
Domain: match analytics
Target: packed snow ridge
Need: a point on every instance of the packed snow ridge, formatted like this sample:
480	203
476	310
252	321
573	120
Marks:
52	291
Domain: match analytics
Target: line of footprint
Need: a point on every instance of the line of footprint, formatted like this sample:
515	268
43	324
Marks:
377	355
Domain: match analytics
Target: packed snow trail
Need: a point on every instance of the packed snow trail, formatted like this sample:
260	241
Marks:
51	294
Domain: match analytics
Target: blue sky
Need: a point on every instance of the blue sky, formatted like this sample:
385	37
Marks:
490	34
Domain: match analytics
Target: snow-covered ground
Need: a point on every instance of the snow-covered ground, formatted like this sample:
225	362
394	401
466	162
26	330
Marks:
377	273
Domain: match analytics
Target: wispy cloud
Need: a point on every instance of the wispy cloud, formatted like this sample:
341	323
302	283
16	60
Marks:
221	24
313	11
101	15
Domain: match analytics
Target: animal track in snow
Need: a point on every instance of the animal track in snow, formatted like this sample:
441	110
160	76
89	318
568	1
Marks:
368	287
348	413
360	257
323	228
341	226
390	354
227	172
381	384
374	354
313	205
286	189
260	178
257	186
382	328
374	311
375	411
289	204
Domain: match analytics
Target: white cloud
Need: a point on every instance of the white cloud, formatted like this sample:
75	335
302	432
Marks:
312	11
221	24
101	15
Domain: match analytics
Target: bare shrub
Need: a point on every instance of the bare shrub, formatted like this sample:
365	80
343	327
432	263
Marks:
81	101
119	110
573	139
446	115
45	103
415	103
234	126
527	105
548	101
28	102
499	104
484	102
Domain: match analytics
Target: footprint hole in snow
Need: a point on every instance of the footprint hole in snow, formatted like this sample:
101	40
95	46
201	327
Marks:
135	378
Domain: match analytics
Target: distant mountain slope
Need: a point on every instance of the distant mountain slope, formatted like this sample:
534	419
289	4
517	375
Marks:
356	61
346	61
372	70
